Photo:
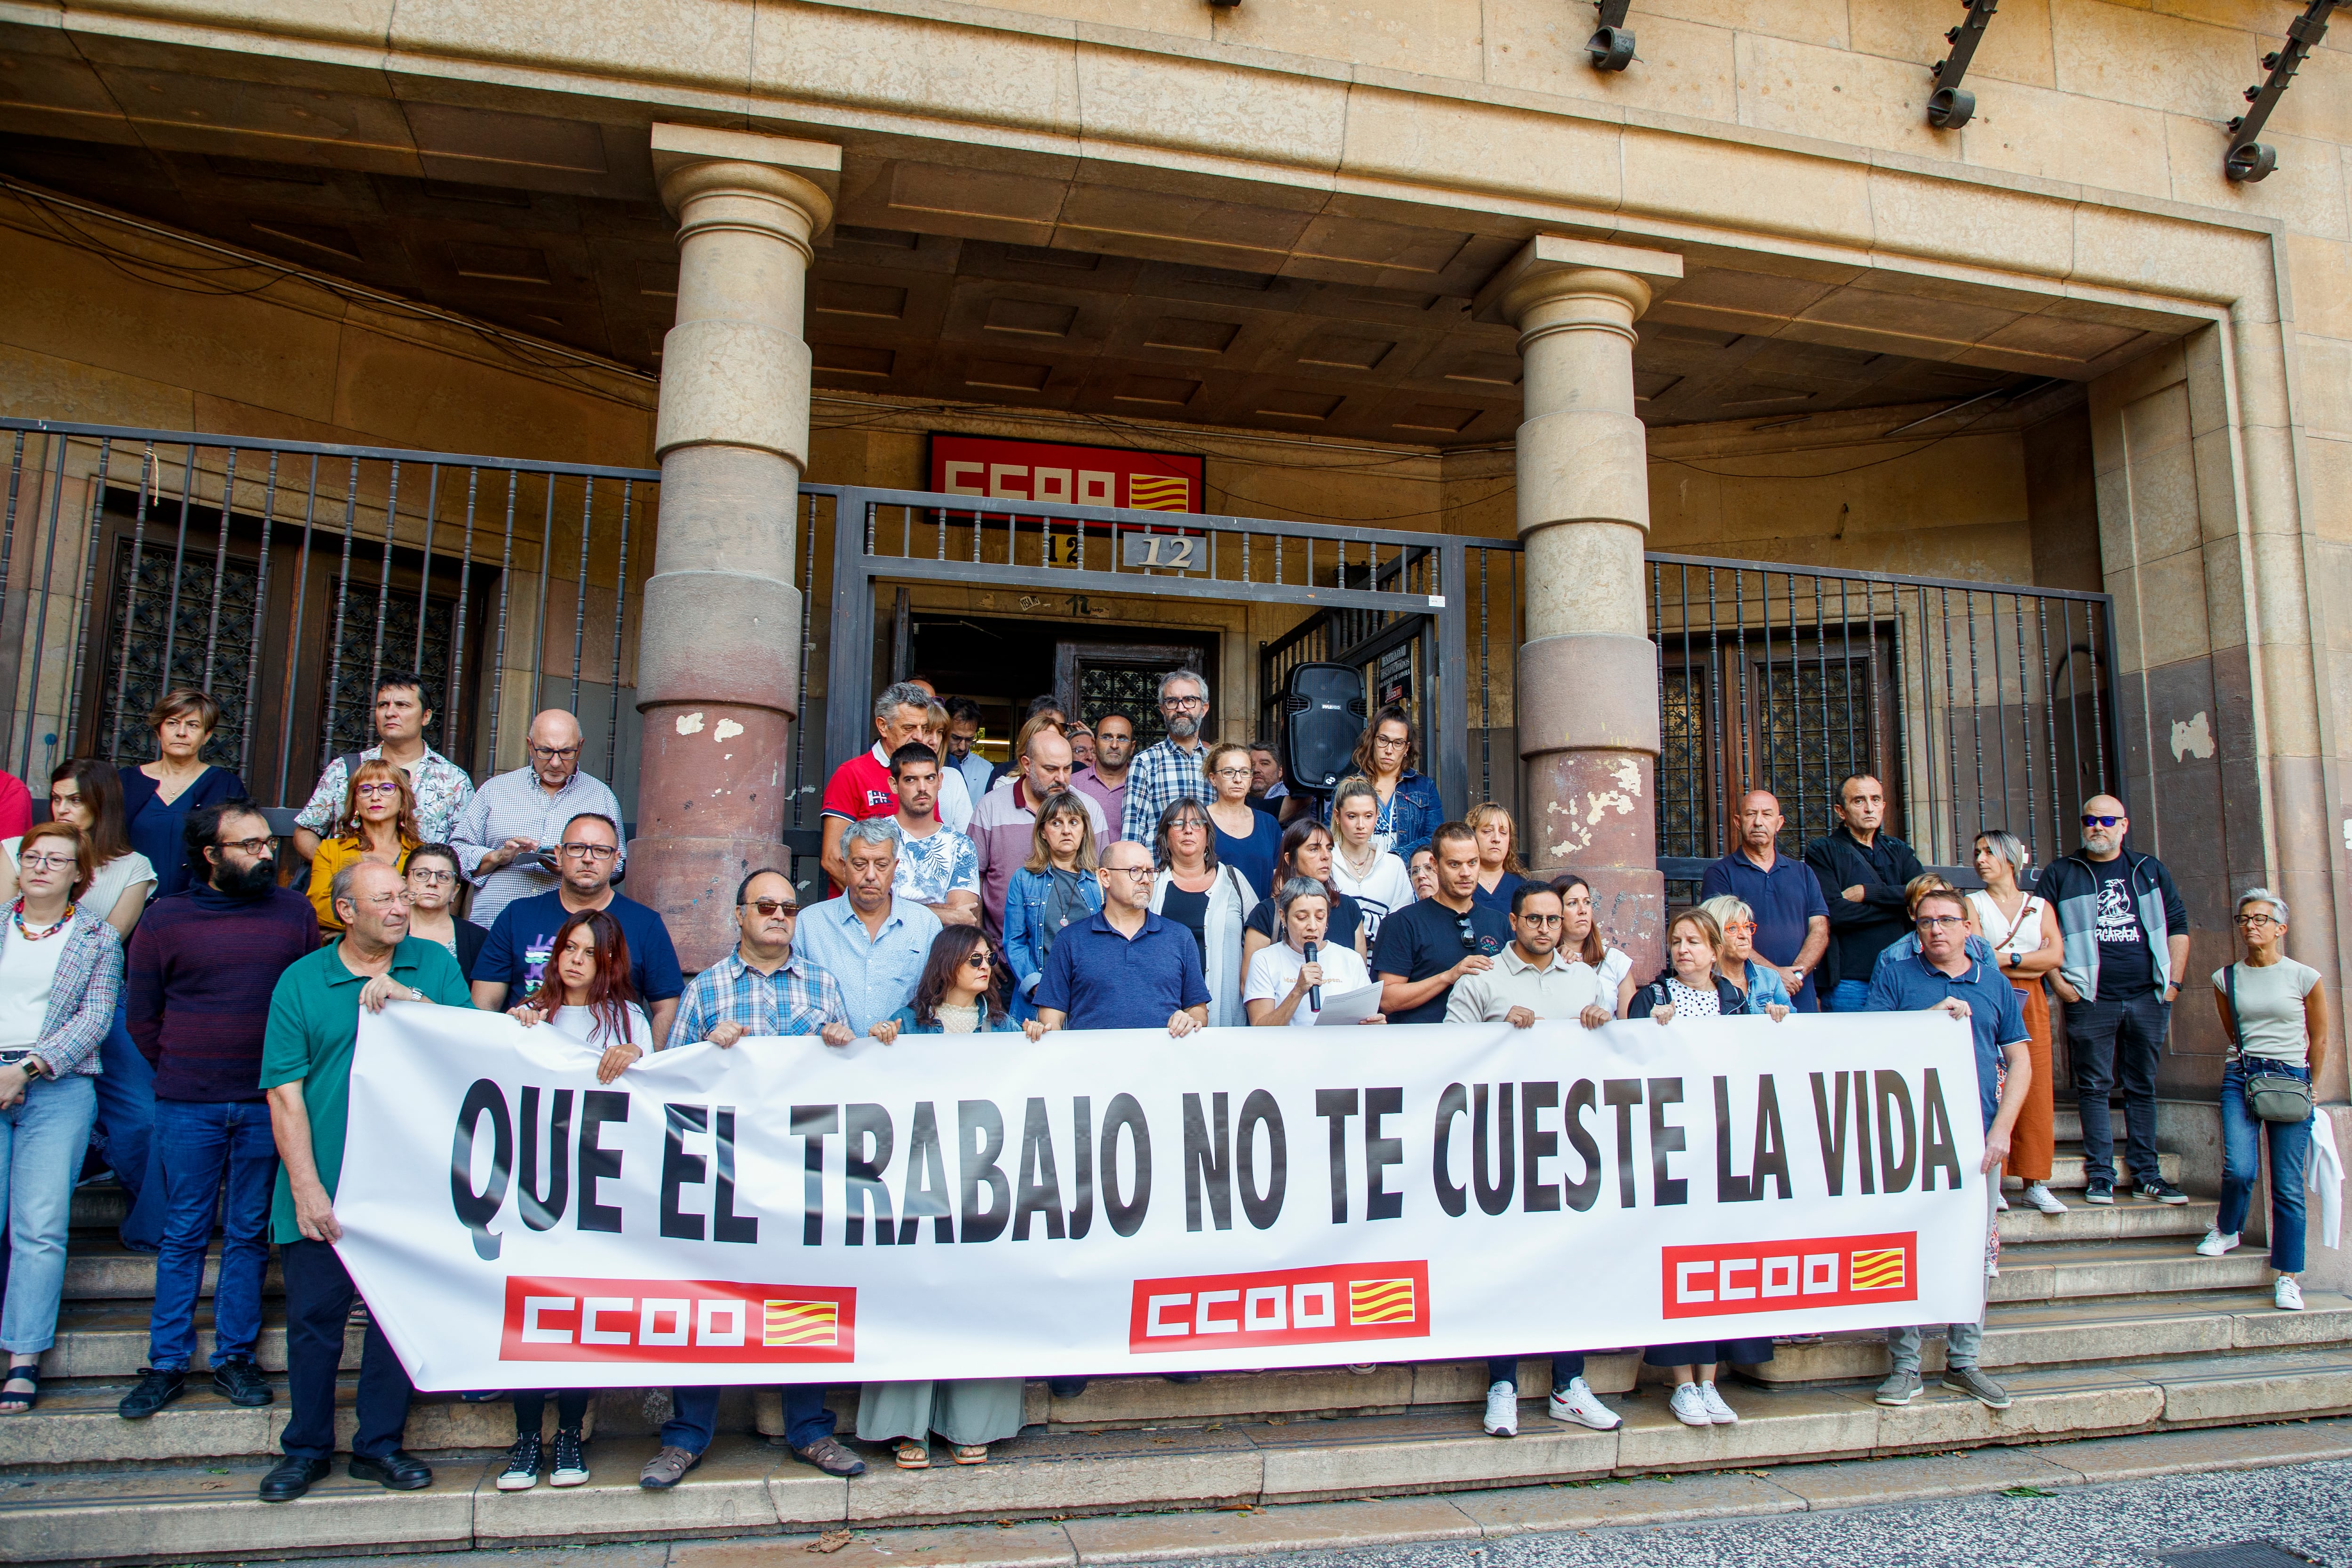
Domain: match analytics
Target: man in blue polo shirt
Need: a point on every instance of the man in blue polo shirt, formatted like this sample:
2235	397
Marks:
1126	968
1792	918
1943	977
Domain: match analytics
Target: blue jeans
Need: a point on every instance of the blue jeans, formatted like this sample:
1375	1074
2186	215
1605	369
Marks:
2118	1036
126	1120
694	1417
42	1138
2241	1132
1565	1369
201	1148
1847	996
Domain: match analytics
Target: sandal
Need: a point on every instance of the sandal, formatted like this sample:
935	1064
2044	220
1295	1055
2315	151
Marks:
972	1453
13	1403
914	1456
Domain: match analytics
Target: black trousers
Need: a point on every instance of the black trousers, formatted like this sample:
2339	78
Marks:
319	1297
2118	1036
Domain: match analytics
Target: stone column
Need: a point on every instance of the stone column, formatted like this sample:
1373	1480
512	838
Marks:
1587	686
719	644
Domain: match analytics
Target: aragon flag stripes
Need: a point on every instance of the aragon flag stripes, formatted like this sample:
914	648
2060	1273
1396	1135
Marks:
1153	492
1380	1301
802	1323
1879	1270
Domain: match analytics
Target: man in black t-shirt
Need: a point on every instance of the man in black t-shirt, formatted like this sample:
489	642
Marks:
1423	948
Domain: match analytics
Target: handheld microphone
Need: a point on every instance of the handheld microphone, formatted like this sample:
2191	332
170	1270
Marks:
1313	993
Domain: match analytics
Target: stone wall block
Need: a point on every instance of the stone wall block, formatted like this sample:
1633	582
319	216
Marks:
722	635
1586	576
736	384
1588	690
1582	465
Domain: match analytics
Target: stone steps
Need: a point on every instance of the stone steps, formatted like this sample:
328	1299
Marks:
120	1513
2136	1266
2126	1219
101	1268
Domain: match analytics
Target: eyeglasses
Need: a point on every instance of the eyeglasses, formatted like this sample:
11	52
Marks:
1935	922
979	959
590	852
47	862
433	878
1391	743
553	753
385	900
2256	920
1187	824
1233	773
1748	926
1142	871
2089	821
256	847
770	908
1183	702
1537	920
378	786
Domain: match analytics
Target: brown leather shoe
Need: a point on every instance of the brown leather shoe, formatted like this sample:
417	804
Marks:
828	1455
666	1468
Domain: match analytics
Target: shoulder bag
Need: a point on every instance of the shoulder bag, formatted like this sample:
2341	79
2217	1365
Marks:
2270	1096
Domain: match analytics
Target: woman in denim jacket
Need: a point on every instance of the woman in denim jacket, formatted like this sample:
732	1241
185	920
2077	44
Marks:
1056	886
1410	807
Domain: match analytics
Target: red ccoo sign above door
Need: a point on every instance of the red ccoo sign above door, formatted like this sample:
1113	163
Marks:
1065	475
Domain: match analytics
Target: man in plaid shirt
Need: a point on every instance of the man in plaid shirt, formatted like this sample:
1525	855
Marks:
1160	776
764	987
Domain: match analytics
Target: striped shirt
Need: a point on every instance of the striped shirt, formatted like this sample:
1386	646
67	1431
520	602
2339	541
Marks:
799	998
514	806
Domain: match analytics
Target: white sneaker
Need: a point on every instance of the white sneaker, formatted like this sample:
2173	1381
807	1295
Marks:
2001	1201
2042	1198
1719	1413
1578	1404
2215	1243
1502	1410
2287	1294
1689	1407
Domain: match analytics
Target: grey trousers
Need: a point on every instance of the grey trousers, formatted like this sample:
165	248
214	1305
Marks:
961	1410
1962	1342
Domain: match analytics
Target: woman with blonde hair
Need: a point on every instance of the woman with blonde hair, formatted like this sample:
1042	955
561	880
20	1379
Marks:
378	822
1247	839
1054	888
1767	992
1360	868
1499	871
2023	931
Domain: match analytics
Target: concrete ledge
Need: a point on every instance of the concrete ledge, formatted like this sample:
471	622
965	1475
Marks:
727	1494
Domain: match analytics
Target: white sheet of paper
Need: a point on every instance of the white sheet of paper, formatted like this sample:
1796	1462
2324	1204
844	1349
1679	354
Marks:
1349	1006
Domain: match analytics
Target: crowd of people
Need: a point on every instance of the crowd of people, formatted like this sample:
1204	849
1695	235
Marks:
174	1010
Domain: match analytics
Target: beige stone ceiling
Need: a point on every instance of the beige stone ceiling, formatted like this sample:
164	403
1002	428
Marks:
947	282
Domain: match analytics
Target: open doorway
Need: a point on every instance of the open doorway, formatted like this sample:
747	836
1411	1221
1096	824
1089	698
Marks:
1000	663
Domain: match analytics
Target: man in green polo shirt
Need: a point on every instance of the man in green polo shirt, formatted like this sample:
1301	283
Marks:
306	1066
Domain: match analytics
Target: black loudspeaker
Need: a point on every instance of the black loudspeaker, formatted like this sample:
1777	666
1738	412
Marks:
1323	715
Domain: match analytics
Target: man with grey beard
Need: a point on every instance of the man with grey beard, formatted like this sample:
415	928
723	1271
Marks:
1160	776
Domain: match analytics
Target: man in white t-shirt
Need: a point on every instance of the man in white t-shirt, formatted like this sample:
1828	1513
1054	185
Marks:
1281	985
937	866
1531	978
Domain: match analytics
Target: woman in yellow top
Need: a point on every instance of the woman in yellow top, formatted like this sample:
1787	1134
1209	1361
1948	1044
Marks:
378	823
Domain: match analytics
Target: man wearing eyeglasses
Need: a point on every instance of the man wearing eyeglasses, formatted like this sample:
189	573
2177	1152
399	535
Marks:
522	939
505	839
1160	776
1426	949
1125	968
1943	978
198	981
2125	942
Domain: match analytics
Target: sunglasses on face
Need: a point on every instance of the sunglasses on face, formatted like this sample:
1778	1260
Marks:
2089	821
978	960
770	908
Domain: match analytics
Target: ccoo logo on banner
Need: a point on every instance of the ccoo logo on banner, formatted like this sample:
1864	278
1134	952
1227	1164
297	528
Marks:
1094	1203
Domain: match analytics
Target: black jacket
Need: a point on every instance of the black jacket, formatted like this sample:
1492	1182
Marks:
1860	932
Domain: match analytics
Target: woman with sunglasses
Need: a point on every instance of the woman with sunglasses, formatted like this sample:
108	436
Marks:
378	823
584	995
61	973
1208	899
1306	852
1767	992
433	881
1499	871
2274	1013
961	992
1408	809
2022	930
1247	839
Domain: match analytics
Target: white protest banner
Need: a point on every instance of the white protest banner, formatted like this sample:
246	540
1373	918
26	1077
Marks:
1118	1202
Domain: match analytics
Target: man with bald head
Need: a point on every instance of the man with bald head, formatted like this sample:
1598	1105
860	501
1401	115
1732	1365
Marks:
1006	819
2126	933
1792	920
505	837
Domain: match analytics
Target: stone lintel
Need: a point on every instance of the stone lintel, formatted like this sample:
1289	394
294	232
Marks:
1659	269
675	146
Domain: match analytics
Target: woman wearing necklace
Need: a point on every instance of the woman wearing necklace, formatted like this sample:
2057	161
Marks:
961	992
1499	871
1306	852
1360	866
1409	807
378	823
1206	898
1247	839
60	973
157	797
2023	932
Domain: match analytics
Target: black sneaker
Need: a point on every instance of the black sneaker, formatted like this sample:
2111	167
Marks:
241	1383
521	1472
571	1458
2100	1193
2160	1191
155	1390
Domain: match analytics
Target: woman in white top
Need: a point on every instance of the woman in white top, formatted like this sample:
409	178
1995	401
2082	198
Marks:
2023	932
1207	900
2277	1027
87	795
1360	868
1580	945
1281	976
584	995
